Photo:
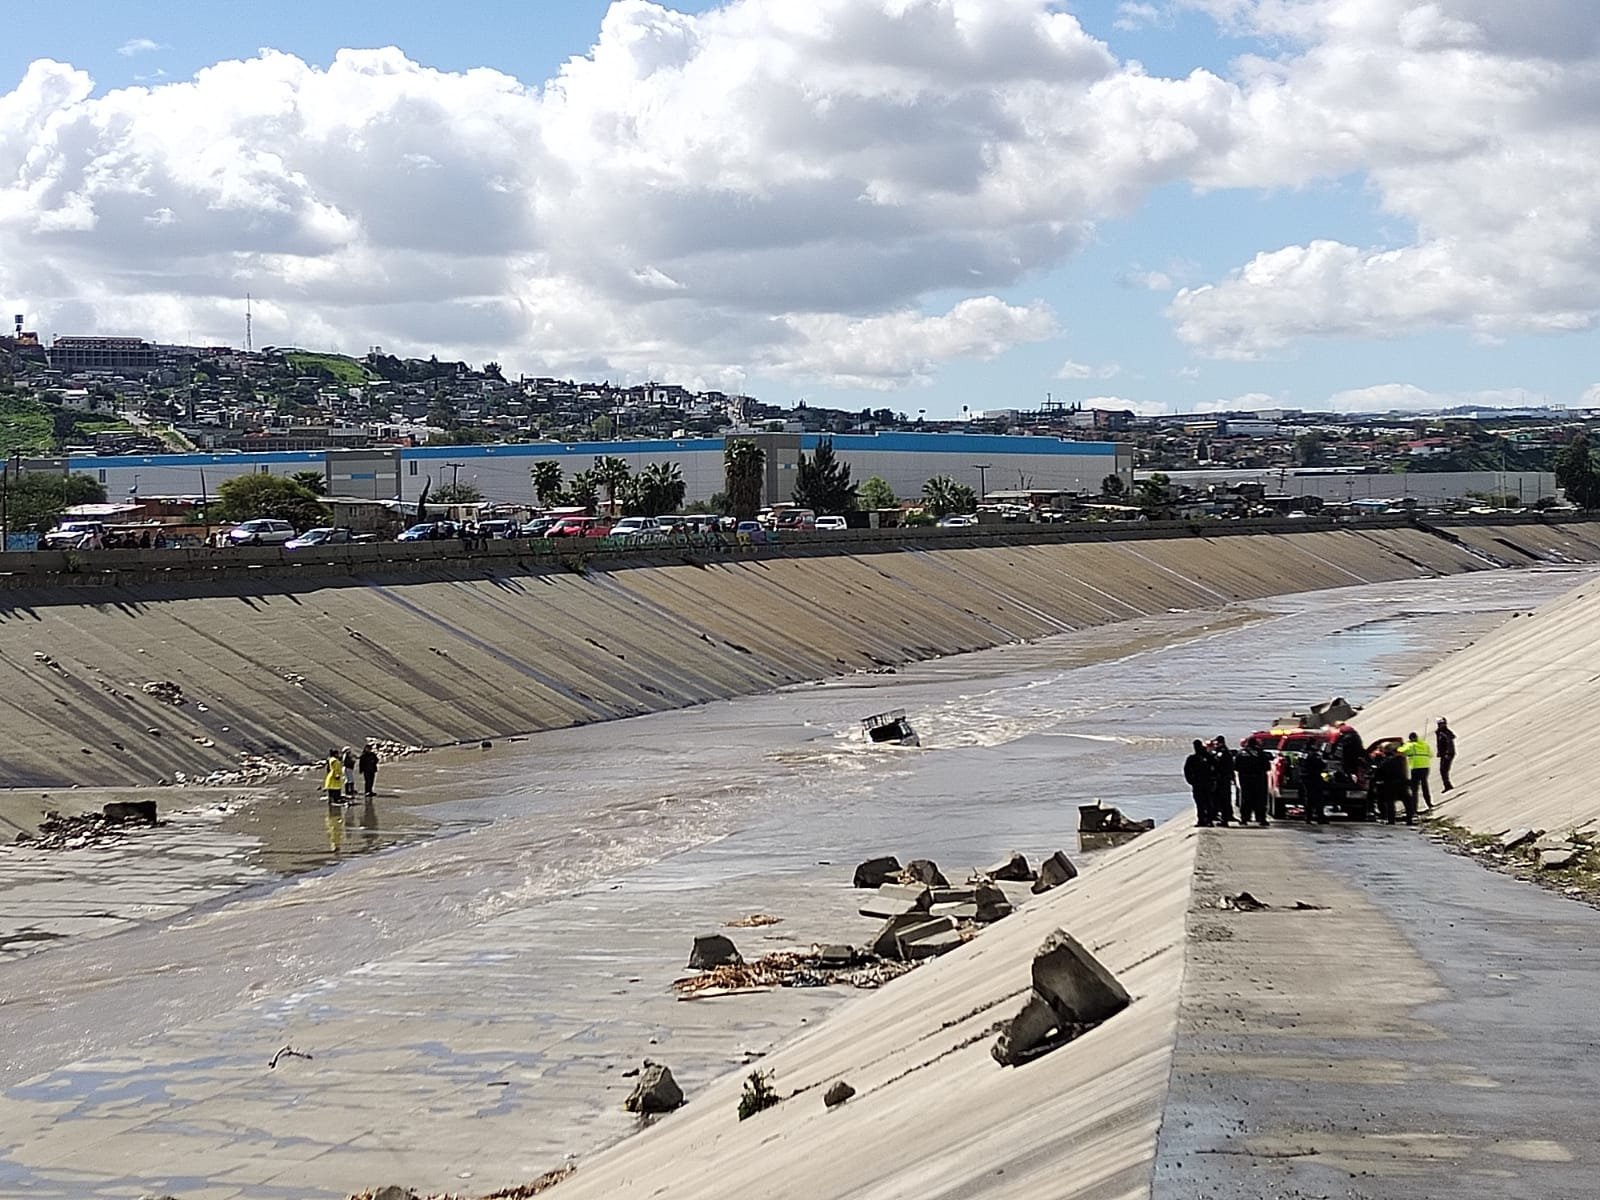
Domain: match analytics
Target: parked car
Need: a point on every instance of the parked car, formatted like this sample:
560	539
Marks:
537	527
957	521
75	535
1288	746
796	518
323	535
578	527
831	524
750	531
263	532
499	528
430	531
634	527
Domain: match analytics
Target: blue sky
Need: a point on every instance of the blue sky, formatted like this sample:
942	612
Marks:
1388	281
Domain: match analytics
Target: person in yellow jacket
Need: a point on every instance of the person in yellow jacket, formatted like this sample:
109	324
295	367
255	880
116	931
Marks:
333	778
1419	757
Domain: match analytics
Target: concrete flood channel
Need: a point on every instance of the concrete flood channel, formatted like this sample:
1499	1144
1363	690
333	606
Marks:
471	1000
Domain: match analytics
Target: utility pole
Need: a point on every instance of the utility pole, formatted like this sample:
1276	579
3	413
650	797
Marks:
982	470
455	473
249	332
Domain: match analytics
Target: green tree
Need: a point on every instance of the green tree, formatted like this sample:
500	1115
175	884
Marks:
545	475
1575	472
1154	494
942	496
612	474
657	489
36	500
744	466
1308	449
822	483
1113	487
458	493
313	481
249	497
876	493
583	490
602	428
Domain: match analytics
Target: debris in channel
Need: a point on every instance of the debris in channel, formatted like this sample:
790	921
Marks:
1072	993
890	729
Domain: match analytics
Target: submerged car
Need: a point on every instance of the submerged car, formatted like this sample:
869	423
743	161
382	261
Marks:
890	729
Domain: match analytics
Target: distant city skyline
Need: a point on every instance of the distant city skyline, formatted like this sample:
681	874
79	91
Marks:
1174	205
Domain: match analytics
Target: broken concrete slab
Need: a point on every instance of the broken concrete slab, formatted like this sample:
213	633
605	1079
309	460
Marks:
1014	867
876	872
931	936
1053	872
714	950
1072	992
990	904
886	942
954	895
895	899
1552	841
1077	986
925	870
967	911
1105	818
130	812
1514	838
1555	859
656	1091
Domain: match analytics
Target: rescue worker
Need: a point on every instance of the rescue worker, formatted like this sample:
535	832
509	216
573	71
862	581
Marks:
1222	781
1251	765
1198	773
333	778
1419	757
1391	781
1445	739
1313	796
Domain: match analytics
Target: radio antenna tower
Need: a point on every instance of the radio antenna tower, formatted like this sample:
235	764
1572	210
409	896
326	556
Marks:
249	334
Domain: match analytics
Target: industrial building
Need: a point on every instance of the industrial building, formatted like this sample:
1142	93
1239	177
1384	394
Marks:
118	355
500	471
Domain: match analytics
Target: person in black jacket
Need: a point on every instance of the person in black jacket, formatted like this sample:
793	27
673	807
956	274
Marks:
1200	775
368	765
1308	776
1444	741
1391	780
1222	768
1251	765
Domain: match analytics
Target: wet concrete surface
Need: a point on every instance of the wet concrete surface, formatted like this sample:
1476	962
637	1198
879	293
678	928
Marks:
540	936
1430	1031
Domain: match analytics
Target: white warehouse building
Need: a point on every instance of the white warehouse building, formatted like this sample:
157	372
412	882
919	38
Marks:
905	461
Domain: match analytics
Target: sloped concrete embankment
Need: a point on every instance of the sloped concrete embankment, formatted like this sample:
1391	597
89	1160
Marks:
934	1115
1522	702
286	668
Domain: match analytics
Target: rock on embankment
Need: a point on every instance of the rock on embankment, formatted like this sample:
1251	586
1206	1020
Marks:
284	669
929	1101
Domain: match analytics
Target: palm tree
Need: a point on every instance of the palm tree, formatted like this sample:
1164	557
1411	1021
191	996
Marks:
545	475
612	474
938	495
314	482
657	489
583	490
745	469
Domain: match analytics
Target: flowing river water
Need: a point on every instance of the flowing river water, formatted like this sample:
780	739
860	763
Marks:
556	879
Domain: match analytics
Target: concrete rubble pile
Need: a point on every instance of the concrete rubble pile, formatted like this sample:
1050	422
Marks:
1072	993
58	831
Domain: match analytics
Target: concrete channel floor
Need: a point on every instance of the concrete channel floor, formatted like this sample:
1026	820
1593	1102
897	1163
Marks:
1430	1030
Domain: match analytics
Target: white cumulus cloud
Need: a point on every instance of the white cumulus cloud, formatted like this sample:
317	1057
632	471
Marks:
139	45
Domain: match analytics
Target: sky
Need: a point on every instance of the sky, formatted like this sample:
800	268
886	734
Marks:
927	205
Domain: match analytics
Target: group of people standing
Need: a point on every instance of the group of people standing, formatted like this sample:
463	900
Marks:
339	778
1320	771
1211	772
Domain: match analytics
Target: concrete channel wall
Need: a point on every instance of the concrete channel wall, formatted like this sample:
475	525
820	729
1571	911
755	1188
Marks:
284	660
